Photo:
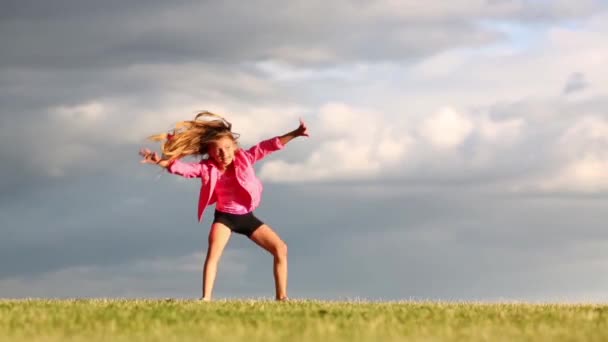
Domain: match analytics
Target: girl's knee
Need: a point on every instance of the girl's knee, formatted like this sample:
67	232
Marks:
280	250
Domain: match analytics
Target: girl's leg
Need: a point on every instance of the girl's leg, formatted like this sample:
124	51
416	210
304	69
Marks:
270	241
218	238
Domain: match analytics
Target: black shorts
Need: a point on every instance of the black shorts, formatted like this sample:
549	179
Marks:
244	224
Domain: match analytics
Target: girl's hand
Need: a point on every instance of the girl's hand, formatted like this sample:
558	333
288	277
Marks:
149	156
302	130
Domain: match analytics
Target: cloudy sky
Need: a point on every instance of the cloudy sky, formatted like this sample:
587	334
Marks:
458	149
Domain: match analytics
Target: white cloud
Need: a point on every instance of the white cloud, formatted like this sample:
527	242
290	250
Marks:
340	159
258	123
430	11
391	150
356	143
87	112
505	131
589	129
440	65
446	129
339	119
587	174
521	69
583	147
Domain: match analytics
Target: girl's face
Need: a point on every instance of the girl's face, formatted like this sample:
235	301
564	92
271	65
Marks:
222	151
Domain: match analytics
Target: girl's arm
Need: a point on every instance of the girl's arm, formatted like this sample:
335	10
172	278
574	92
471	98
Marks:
177	167
266	147
152	158
302	130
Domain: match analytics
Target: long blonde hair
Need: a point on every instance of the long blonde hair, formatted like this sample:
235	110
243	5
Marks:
194	137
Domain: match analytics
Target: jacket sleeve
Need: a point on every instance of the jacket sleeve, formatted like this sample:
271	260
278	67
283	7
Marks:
187	170
263	149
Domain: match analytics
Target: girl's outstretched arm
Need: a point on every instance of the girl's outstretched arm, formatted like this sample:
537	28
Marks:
177	167
302	130
152	158
266	147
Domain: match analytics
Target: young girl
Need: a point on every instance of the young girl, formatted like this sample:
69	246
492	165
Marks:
228	179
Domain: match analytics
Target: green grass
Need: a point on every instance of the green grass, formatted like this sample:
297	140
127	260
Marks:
259	320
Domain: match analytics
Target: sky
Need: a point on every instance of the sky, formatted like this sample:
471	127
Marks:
457	150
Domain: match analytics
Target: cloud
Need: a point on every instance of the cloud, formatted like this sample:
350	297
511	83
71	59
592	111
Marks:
89	115
73	34
486	245
446	129
63	134
364	144
583	149
588	174
576	82
355	144
157	277
503	131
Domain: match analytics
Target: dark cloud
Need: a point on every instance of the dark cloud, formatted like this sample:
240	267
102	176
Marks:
455	244
62	9
458	245
74	34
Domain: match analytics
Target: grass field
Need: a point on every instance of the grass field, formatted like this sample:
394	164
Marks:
260	320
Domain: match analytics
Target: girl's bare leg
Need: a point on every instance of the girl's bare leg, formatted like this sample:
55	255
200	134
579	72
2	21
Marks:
270	241
218	238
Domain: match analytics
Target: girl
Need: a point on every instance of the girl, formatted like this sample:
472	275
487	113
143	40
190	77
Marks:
228	179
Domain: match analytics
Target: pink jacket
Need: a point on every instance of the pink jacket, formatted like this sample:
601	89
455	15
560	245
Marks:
245	174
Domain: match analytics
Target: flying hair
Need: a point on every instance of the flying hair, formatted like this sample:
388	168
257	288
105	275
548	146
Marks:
190	138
